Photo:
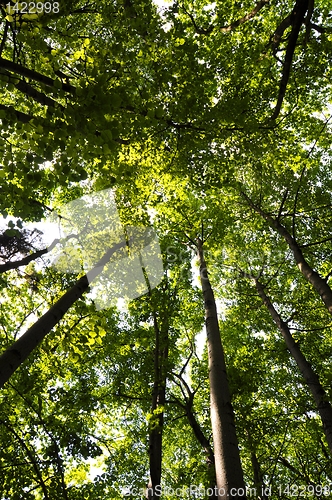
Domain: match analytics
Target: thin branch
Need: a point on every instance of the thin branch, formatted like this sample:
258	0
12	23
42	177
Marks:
245	18
4	38
285	23
309	329
34	256
186	364
320	29
83	10
295	200
230	27
299	474
126	396
58	458
34	462
282	204
22	262
308	19
199	31
30	91
316	242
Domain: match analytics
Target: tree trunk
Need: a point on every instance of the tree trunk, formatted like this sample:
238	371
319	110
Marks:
310	275
229	475
200	436
258	476
202	439
19	351
323	406
157	409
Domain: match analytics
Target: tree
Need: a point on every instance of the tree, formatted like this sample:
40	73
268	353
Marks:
18	352
179	110
229	476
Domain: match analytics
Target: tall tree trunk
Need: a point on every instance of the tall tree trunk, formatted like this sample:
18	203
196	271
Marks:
229	475
323	406
156	424
157	408
310	275
19	351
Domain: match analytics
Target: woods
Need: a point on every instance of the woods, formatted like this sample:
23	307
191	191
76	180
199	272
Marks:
209	125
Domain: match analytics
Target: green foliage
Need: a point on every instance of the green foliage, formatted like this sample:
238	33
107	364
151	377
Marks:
171	108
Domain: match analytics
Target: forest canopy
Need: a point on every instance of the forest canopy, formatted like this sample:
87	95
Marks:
209	125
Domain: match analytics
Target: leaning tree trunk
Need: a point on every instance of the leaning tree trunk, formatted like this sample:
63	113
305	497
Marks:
200	436
229	475
203	440
318	283
19	351
323	406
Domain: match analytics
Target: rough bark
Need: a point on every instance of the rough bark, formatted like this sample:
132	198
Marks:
229	475
309	274
323	406
19	351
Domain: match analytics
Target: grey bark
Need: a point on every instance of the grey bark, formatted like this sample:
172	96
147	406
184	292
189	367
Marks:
229	475
309	274
323	406
19	351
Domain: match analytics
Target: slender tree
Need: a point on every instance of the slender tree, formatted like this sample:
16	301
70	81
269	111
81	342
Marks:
312	380
18	352
319	284
229	475
156	422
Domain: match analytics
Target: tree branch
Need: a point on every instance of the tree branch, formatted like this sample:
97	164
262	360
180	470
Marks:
320	29
298	16
230	27
245	18
285	23
21	117
34	75
22	262
30	91
314	278
4	38
19	351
